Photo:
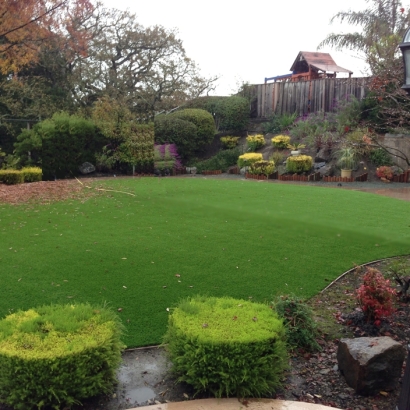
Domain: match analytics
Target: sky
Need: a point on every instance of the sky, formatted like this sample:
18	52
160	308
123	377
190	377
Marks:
248	41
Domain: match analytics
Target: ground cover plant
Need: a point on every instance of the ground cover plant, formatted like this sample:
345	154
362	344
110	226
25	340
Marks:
150	242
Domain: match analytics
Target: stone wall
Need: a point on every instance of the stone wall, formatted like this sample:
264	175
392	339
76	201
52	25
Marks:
400	142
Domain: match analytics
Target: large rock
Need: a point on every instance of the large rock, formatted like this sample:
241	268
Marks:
370	364
323	155
86	168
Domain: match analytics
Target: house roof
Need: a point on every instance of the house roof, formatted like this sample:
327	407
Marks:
320	61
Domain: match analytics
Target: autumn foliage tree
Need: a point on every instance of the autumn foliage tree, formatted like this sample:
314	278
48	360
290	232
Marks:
27	25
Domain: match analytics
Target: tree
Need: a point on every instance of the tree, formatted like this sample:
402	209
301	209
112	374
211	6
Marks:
25	26
382	24
146	67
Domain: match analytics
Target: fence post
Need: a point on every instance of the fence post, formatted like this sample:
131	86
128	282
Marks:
404	398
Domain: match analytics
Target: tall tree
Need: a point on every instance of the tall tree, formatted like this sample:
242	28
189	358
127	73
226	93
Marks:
26	25
146	67
382	26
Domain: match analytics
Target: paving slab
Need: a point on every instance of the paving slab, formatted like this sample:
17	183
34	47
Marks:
235	404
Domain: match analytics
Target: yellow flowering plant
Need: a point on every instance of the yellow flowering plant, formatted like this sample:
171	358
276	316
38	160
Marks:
299	163
229	142
281	141
255	142
262	168
246	160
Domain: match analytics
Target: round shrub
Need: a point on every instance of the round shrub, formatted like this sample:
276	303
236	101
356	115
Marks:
227	346
170	130
190	130
281	141
246	160
255	141
262	168
230	113
229	142
299	163
55	356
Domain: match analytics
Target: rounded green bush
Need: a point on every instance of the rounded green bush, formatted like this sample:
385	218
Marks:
55	356
230	113
227	346
190	130
299	163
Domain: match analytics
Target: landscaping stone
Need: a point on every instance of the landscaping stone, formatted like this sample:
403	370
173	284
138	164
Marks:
86	168
370	364
323	155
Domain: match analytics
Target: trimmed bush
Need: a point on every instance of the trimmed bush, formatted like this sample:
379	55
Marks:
32	174
301	329
255	142
262	168
11	176
230	113
299	163
55	356
229	142
190	130
227	346
281	141
246	160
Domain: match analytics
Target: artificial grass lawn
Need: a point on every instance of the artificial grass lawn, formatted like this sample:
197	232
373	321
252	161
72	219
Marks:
223	237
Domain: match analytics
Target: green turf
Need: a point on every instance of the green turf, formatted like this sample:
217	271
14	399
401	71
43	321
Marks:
223	237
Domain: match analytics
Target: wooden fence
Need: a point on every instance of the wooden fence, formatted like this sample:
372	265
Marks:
304	97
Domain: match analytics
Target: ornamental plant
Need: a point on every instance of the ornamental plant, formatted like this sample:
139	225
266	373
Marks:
301	328
226	346
246	160
166	157
255	142
55	356
385	172
229	142
375	296
262	168
281	141
296	146
299	163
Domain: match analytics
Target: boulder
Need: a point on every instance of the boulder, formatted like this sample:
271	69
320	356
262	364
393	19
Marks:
370	364
191	170
86	168
323	155
326	171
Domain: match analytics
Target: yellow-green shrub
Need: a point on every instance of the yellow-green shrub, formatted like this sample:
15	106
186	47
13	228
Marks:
281	141
11	176
255	141
55	356
299	163
229	142
246	160
32	174
262	168
227	346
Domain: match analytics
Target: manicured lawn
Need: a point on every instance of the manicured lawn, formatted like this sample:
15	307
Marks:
186	236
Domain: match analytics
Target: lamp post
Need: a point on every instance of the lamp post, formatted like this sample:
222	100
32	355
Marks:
405	49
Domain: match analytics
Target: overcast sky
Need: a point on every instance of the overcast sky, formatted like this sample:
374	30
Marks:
248	41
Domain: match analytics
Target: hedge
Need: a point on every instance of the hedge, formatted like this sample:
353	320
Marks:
227	346
55	356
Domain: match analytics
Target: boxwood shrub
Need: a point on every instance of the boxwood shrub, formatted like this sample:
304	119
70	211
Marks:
299	163
55	356
32	174
11	176
190	130
227	346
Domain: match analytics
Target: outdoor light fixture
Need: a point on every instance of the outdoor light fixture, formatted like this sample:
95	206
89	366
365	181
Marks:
405	49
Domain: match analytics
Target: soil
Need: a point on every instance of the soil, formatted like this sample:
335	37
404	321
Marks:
145	377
